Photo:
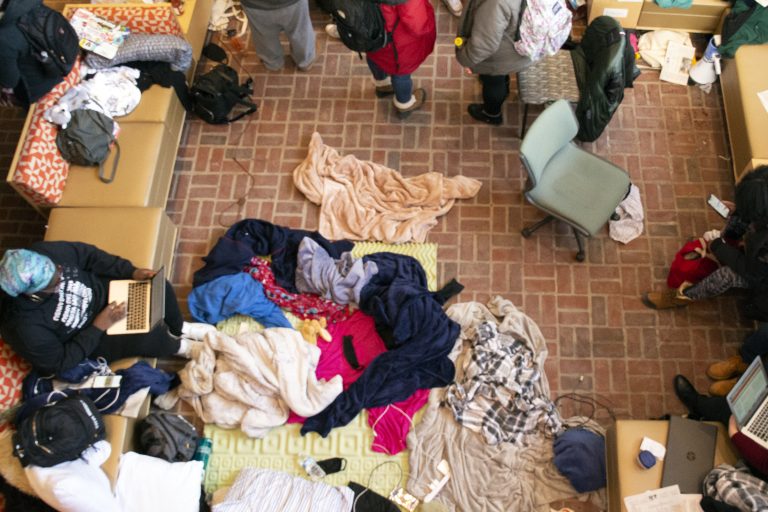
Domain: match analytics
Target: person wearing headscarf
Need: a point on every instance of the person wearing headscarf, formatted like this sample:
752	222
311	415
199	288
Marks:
54	309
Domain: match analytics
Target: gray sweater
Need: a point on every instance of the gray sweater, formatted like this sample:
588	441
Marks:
267	5
488	28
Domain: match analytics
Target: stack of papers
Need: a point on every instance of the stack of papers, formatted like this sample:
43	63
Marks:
677	63
98	35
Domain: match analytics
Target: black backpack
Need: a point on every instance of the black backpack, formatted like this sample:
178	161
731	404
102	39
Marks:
215	94
58	432
86	141
52	40
168	436
360	23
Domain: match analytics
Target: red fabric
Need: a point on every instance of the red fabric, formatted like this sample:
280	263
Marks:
13	369
303	305
413	38
755	455
691	270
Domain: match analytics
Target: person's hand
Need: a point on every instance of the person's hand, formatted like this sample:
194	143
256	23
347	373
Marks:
733	427
467	71
110	315
710	235
730	205
142	274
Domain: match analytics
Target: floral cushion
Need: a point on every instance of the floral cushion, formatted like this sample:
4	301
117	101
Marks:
41	172
12	371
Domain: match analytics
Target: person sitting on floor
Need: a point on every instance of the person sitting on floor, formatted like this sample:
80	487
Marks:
54	311
741	267
715	408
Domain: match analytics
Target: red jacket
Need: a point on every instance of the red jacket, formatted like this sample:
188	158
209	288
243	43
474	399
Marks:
413	38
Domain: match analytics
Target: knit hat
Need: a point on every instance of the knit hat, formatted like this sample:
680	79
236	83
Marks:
23	271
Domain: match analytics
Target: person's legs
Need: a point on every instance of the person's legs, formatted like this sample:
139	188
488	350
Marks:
381	80
756	344
298	28
265	32
173	318
701	407
716	283
495	93
403	87
156	343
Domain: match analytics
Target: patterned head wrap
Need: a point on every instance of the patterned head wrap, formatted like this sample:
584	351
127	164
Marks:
23	271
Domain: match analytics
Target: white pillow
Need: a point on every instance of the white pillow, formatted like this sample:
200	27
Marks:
148	483
76	486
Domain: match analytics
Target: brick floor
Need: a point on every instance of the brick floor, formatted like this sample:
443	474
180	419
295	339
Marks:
601	339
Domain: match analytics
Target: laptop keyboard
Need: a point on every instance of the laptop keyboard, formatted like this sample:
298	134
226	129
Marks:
137	305
759	424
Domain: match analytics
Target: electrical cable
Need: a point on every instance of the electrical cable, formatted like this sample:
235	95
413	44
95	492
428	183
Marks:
370	477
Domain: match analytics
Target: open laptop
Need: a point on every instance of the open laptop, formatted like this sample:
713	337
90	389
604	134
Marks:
748	401
690	454
144	300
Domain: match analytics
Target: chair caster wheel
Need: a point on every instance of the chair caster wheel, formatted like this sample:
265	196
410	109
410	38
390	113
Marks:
579	256
526	233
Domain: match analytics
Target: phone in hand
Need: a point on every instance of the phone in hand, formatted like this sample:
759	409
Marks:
718	206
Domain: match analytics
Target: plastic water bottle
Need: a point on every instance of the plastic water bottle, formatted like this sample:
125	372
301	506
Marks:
203	452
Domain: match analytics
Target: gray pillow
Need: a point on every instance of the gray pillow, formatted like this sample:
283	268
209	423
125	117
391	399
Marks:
149	47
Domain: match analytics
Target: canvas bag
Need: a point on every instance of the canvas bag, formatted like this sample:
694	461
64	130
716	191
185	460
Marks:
86	141
543	27
692	263
58	432
168	436
52	40
217	92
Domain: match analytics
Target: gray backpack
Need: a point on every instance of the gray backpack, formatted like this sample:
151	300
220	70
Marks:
168	436
86	141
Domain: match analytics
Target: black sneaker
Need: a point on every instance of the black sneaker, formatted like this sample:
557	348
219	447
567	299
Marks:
476	111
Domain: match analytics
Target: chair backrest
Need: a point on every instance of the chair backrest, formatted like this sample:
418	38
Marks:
552	130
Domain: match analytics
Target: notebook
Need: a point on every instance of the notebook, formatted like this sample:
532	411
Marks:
748	402
144	300
690	454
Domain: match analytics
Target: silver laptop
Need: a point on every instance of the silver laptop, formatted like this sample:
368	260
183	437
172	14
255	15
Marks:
748	401
144	300
690	454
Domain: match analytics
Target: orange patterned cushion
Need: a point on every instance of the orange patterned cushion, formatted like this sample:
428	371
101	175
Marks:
41	171
13	369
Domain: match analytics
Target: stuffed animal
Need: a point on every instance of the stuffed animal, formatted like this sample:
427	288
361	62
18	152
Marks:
311	329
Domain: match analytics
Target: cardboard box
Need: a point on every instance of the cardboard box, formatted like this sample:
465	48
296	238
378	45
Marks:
625	12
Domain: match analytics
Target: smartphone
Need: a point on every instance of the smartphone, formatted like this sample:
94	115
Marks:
718	206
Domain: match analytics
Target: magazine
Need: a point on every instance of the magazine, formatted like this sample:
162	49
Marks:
98	35
677	63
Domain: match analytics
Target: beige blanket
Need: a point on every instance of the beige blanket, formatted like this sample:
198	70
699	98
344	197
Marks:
362	200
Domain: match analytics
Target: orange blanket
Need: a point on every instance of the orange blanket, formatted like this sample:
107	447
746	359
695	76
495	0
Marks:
362	200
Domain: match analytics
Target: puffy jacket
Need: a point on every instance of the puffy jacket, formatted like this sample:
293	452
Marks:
488	28
412	25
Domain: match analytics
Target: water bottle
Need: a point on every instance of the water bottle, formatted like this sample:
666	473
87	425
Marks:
203	452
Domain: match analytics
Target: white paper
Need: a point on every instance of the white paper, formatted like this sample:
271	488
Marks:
666	499
763	95
677	63
615	13
656	448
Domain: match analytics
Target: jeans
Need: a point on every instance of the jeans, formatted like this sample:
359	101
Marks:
402	84
495	93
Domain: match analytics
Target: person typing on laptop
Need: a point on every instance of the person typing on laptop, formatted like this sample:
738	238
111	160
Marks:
54	308
716	408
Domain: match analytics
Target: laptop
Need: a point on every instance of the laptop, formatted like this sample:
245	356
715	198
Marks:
144	300
748	401
690	454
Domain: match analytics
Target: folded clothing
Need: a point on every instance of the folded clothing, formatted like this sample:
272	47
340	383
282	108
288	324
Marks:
150	47
580	457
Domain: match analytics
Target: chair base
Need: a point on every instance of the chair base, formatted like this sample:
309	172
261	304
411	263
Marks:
528	231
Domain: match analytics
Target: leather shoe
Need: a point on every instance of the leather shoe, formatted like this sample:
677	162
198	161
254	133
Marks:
687	394
727	369
722	387
476	111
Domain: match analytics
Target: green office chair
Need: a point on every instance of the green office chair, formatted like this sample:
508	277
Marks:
566	182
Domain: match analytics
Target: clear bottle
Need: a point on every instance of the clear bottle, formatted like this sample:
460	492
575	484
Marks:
310	465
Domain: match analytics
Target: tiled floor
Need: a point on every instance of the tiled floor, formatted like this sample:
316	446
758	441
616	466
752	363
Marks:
602	340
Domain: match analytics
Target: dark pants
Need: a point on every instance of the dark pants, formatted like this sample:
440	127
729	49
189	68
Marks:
495	93
756	344
158	342
713	408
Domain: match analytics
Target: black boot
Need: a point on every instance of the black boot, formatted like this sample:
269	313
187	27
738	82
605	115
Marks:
688	395
476	111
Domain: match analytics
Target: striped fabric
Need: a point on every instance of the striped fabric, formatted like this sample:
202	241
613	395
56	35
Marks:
272	491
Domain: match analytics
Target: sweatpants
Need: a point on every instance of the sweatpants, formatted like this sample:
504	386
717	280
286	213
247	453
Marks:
266	26
159	342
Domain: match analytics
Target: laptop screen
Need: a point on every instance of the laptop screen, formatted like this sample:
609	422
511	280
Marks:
749	392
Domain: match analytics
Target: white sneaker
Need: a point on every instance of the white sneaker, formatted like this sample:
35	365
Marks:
454	6
196	330
333	31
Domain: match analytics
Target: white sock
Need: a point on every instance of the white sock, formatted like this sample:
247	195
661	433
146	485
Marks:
189	348
407	104
196	330
382	83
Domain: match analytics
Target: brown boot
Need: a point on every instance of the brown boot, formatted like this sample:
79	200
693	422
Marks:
665	299
418	98
731	367
722	387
